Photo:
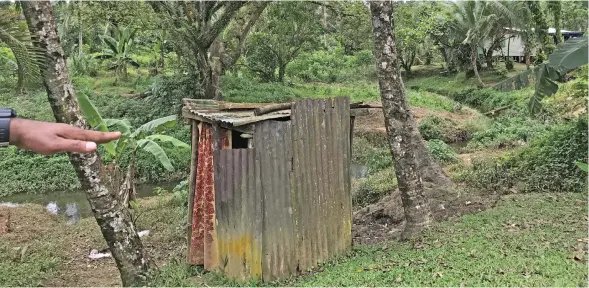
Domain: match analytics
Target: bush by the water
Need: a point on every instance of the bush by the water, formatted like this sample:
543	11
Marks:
546	165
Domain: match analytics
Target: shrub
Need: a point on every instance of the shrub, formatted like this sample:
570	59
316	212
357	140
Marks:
501	72
441	151
547	165
374	187
429	100
25	172
507	131
430	128
486	100
333	66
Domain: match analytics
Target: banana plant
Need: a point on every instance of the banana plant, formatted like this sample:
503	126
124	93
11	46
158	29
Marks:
567	56
144	138
119	50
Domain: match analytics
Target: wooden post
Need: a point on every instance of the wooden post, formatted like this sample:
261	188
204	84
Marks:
192	178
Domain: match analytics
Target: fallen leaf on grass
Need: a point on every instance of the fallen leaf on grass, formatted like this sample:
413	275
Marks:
438	274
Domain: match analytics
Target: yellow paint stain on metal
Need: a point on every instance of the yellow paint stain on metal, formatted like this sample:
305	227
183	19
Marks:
242	263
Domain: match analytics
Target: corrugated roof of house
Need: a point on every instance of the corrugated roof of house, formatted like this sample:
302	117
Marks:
240	116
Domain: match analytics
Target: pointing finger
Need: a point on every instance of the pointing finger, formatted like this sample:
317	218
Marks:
77	146
88	135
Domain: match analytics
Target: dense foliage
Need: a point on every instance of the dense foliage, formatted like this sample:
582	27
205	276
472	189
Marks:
137	60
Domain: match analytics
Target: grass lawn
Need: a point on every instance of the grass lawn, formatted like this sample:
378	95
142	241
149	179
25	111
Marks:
526	240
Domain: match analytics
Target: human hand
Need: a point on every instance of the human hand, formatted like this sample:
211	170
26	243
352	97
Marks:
49	138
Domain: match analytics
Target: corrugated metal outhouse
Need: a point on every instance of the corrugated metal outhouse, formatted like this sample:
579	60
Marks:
269	185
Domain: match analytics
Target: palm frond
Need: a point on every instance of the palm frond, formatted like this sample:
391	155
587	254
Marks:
29	59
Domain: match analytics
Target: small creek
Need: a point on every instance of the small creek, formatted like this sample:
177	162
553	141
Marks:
74	204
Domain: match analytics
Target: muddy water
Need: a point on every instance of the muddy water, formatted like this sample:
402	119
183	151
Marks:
74	204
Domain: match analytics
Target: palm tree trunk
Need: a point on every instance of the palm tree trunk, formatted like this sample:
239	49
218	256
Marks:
527	56
473	62
399	121
113	218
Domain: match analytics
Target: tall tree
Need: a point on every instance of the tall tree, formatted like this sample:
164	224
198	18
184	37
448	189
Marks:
286	30
111	215
196	33
414	20
475	20
398	120
555	7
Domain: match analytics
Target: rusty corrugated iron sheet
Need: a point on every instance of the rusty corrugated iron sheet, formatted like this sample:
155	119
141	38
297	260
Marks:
236	117
272	141
202	249
239	214
321	184
280	206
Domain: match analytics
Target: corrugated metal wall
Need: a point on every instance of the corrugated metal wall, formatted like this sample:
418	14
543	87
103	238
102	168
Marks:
239	213
272	141
283	206
321	181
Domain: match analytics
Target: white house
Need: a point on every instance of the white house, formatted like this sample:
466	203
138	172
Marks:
513	46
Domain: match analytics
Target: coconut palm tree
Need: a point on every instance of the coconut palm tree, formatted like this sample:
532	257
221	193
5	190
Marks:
475	20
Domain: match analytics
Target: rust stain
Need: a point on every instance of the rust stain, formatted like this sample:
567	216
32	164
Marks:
237	251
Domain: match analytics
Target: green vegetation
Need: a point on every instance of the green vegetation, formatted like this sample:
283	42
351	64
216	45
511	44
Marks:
135	61
527	240
441	151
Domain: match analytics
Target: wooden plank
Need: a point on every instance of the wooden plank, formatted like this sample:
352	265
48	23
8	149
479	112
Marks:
252	253
359	112
262	144
255	119
220	207
337	169
289	234
192	179
271	108
229	236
